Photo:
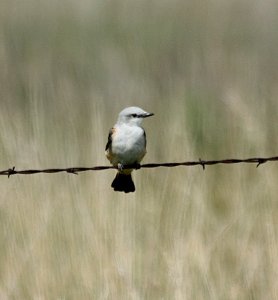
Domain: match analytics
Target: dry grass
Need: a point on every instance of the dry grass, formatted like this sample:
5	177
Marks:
208	70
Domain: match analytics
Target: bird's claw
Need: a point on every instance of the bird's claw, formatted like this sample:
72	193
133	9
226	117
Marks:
120	166
137	166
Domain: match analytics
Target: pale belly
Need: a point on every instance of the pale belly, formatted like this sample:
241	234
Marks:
128	147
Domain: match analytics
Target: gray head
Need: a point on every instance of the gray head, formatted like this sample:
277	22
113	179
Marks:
133	115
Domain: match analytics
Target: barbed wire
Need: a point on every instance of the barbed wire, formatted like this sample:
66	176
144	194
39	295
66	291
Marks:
200	162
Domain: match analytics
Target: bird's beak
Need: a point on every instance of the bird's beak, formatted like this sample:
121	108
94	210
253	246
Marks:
145	115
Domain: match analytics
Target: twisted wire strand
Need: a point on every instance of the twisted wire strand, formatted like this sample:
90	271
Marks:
200	162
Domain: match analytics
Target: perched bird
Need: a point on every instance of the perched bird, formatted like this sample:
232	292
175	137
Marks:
126	146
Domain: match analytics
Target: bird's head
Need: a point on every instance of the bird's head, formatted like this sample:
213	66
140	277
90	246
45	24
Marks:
133	115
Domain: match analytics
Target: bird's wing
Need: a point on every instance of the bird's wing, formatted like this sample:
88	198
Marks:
109	142
145	138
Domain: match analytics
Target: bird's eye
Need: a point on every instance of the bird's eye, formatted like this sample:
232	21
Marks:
134	115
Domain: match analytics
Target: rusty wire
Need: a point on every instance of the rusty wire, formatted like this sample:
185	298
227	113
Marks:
200	162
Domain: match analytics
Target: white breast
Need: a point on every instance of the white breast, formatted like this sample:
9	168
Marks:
128	144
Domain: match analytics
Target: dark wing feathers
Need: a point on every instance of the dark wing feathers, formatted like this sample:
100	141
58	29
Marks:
109	142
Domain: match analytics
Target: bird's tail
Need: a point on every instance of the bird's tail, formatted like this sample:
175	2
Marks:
123	183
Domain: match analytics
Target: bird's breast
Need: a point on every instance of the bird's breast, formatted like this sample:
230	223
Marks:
128	144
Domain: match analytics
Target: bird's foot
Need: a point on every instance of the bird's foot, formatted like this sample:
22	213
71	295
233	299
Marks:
120	167
137	166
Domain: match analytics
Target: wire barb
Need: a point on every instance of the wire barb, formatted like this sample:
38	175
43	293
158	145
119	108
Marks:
72	171
260	162
11	172
76	170
202	163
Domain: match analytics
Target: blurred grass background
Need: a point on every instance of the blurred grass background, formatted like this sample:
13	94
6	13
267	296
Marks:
209	72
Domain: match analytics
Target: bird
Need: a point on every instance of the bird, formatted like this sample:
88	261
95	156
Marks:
127	146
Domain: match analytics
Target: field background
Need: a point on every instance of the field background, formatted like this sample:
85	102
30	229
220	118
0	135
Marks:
209	72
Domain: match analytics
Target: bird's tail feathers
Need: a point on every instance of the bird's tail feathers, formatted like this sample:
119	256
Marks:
123	183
